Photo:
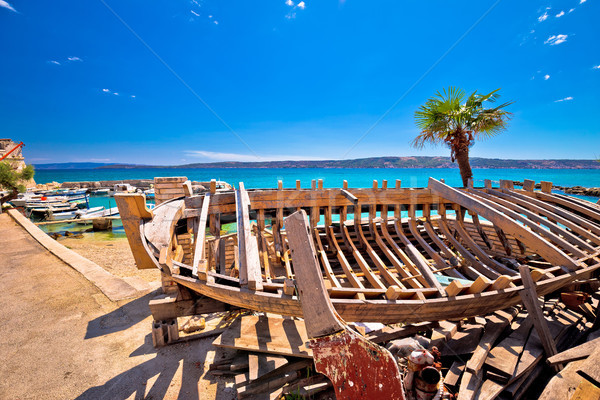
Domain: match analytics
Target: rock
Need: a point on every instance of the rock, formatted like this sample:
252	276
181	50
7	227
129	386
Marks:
195	323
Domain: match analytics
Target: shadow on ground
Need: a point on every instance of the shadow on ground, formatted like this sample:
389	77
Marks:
121	318
160	372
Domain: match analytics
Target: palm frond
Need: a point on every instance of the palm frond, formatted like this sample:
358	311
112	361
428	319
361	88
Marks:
451	112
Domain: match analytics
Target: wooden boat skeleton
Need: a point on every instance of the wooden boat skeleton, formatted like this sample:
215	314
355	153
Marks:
387	254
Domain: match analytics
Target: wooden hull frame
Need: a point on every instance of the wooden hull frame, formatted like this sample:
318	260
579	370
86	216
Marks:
391	265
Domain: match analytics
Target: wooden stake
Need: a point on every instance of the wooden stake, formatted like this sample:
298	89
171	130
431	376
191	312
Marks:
530	300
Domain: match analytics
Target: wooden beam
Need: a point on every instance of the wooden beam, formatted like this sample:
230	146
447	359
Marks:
528	185
311	288
533	241
530	300
590	369
546	186
350	196
199	265
557	215
575	353
250	271
419	261
533	221
132	208
495	325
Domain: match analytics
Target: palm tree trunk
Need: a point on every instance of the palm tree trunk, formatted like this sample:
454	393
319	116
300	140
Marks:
462	158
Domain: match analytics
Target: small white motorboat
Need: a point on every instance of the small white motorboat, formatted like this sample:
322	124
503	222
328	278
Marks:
97	212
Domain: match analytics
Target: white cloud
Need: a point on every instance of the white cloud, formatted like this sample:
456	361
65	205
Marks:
582	1
116	94
289	3
301	5
596	67
546	77
217	156
210	16
556	39
565	99
132	96
216	22
195	13
74	59
106	90
54	62
543	17
560	14
571	10
4	4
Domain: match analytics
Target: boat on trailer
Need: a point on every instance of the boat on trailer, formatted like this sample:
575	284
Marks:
387	254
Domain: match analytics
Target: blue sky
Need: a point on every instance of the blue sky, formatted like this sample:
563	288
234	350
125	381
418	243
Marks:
132	81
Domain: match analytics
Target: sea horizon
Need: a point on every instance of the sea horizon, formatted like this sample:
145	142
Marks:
332	177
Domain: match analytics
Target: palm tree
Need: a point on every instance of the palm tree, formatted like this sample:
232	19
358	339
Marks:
452	118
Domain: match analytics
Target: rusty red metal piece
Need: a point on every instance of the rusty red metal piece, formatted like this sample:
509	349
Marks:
358	368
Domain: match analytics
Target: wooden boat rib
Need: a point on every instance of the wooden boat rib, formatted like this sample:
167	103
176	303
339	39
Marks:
387	254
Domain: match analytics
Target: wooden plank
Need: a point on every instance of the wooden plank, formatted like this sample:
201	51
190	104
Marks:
419	261
250	270
533	353
419	280
260	364
495	325
414	230
444	250
381	267
443	334
572	205
476	249
563	385
465	341
586	391
199	264
530	300
567	218
389	255
545	249
350	275
469	385
575	353
132	208
481	268
566	240
273	335
316	305
590	368
387	334
454	373
324	260
364	266
504	357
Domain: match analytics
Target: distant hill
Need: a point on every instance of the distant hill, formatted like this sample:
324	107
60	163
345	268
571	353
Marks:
388	162
71	165
373	162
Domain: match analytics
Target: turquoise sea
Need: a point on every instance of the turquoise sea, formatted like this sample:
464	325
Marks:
357	177
267	178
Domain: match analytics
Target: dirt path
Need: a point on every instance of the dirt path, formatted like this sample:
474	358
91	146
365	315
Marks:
61	338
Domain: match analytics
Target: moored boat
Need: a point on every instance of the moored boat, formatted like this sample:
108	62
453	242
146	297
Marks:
387	254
